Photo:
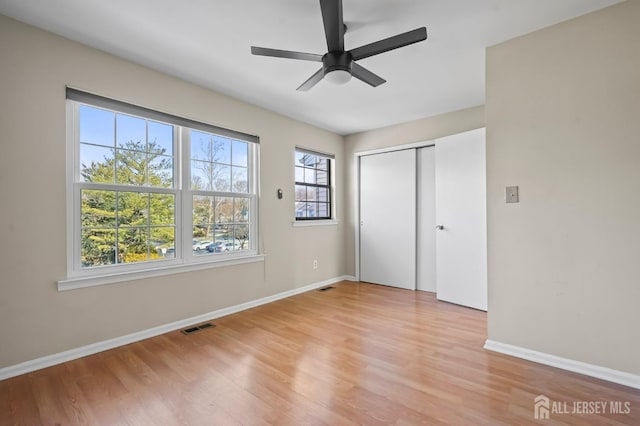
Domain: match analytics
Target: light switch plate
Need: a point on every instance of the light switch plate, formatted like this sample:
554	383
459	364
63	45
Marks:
511	194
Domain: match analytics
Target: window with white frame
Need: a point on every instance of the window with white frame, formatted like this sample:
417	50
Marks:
149	189
313	194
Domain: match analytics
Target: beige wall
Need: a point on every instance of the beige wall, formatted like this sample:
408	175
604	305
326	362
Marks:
401	134
563	123
37	320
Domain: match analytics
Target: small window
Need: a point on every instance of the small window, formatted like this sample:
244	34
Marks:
313	195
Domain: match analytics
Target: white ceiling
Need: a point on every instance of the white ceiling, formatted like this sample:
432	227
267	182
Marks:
208	42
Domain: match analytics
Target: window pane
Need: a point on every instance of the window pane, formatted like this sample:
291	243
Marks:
200	145
160	138
222	234
240	180
309	176
201	175
224	210
301	209
322	194
96	126
163	240
241	237
323	210
301	193
162	209
322	177
311	209
131	132
203	209
221	150
239	151
308	160
131	167
201	234
133	208
299	158
299	174
322	164
98	208
97	247
160	171
241	210
312	194
96	164
221	178
133	245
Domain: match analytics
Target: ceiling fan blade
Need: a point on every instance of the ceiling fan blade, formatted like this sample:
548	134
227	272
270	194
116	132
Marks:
333	24
361	73
390	43
265	51
312	81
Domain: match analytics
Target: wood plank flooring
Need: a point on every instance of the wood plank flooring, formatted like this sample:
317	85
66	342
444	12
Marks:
356	354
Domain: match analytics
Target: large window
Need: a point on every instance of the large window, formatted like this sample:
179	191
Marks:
149	188
313	193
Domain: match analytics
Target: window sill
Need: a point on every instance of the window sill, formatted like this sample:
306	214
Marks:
305	223
82	282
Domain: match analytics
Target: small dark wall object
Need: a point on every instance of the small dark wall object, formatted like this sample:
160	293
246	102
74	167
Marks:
279	194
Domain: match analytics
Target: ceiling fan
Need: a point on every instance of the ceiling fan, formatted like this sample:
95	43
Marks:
339	65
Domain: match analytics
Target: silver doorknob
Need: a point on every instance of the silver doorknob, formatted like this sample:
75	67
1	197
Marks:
439	227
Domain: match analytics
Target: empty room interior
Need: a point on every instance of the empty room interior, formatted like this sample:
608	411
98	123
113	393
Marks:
320	212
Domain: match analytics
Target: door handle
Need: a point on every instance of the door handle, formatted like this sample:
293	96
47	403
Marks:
439	227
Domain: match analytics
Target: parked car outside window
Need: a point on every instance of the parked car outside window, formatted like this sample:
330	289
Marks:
201	245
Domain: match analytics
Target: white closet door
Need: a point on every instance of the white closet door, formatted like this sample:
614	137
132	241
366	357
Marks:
388	219
426	220
461	245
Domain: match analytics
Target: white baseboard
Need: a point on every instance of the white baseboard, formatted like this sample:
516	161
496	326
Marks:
59	358
604	373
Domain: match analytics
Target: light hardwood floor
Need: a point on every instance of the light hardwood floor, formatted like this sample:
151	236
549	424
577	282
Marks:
356	354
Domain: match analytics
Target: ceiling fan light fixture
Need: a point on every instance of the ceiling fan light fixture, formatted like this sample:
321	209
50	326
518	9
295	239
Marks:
338	77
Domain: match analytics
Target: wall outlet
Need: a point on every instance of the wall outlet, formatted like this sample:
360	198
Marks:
315	264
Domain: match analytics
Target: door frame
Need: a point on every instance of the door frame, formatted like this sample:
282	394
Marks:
356	163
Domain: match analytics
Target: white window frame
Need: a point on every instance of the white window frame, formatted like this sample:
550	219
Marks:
185	259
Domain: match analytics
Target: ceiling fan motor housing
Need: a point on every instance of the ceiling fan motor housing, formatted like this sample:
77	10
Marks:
334	61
